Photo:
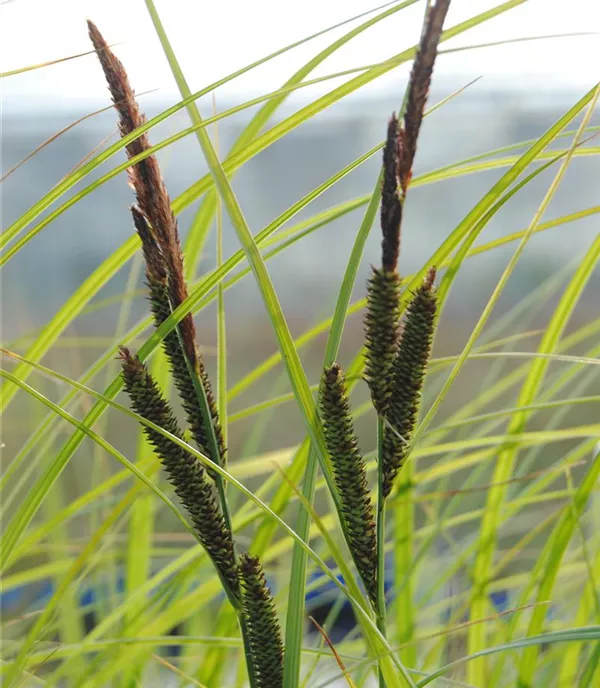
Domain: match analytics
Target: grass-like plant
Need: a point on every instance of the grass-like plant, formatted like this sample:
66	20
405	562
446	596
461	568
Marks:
244	563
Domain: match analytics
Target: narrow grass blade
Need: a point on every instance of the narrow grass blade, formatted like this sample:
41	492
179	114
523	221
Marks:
506	459
589	634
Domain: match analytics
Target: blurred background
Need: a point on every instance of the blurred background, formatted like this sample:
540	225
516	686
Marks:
522	88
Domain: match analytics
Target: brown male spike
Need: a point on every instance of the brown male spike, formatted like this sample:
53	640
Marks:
382	328
419	83
391	205
383	287
157	227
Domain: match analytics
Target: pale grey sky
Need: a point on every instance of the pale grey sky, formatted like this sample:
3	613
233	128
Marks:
215	37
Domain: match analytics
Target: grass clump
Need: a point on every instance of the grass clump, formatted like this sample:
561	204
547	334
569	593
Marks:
397	358
367	510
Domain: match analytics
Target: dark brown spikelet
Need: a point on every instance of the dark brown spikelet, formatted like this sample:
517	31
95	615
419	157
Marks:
419	83
350	475
154	260
383	289
408	377
264	633
391	204
157	228
381	334
186	473
145	176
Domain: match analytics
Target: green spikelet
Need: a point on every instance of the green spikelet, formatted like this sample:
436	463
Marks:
263	628
381	335
349	474
408	376
184	471
157	280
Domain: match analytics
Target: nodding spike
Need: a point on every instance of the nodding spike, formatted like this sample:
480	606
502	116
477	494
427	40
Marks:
185	472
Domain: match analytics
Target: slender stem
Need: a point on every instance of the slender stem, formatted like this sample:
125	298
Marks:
297	596
381	610
237	605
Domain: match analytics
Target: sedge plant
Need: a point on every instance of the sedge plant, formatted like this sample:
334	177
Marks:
396	362
350	543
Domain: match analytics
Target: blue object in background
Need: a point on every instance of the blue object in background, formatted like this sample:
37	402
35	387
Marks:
321	596
500	600
322	590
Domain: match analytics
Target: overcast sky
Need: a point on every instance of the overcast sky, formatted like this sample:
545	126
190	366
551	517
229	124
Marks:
215	37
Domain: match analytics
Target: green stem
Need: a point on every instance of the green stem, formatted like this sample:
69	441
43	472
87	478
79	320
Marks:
237	605
404	561
294	631
381	610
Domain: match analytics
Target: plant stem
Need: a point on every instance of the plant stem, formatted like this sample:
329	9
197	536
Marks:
381	610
